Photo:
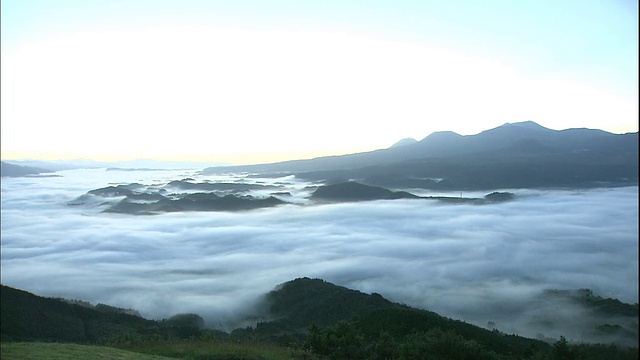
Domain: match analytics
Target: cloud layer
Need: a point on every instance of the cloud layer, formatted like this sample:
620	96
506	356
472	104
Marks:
477	263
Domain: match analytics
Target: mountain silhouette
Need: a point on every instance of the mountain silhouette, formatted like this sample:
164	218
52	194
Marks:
13	170
405	141
513	155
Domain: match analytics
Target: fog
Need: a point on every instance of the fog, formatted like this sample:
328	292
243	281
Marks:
478	263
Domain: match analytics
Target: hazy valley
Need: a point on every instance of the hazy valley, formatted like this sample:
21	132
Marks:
491	229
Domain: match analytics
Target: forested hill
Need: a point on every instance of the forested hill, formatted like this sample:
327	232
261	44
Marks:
318	319
28	317
341	318
304	302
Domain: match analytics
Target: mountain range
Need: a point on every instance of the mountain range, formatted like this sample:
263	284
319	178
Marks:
33	167
514	155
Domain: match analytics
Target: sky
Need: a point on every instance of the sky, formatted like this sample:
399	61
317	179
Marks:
257	81
478	263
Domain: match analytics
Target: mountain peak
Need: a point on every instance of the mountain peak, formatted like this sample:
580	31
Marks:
442	136
518	129
404	142
529	125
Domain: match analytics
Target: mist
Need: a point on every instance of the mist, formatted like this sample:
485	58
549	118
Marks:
488	263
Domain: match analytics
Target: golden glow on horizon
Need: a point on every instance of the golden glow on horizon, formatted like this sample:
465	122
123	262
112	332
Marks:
261	96
235	159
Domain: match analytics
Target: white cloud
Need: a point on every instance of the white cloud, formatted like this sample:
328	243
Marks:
463	261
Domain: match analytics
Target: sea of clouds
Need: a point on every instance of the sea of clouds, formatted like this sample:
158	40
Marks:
479	263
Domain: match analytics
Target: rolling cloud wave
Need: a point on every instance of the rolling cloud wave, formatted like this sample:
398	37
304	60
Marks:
476	263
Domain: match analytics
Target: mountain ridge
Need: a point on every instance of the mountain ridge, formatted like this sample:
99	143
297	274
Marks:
13	170
512	155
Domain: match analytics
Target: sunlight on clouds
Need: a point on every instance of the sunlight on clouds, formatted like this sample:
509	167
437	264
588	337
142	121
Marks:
201	91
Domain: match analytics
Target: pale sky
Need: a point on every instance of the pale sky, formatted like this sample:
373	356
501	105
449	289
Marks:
261	81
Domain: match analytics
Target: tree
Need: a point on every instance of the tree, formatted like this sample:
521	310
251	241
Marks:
562	350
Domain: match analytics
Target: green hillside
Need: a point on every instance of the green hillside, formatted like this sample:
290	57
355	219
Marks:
27	317
310	319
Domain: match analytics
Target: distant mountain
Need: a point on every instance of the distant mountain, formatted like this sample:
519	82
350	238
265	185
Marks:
140	164
405	141
160	165
514	155
12	170
58	165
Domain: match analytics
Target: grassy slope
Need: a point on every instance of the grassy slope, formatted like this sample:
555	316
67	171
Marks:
60	351
182	350
202	349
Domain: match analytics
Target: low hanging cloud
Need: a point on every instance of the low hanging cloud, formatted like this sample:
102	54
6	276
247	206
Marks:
488	263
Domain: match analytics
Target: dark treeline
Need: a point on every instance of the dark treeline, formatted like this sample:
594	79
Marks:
318	320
